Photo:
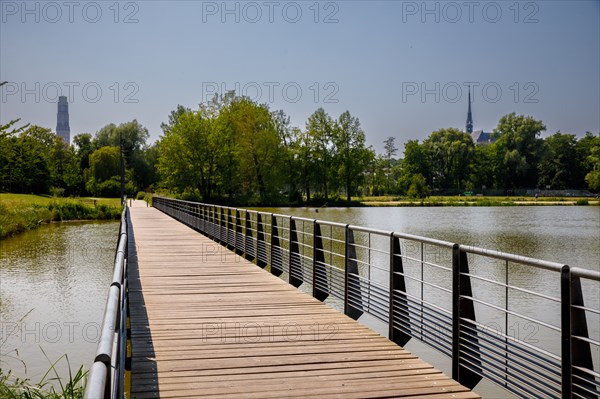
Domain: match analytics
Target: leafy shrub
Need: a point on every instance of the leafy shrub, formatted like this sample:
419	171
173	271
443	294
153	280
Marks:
57	191
418	187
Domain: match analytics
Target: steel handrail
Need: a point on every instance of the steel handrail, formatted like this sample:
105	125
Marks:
106	375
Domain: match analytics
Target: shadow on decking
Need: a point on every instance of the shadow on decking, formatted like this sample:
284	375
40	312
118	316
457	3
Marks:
144	376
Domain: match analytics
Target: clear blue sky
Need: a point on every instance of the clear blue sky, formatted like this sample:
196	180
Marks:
402	67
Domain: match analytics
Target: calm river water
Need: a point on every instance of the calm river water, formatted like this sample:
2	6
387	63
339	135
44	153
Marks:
53	285
60	272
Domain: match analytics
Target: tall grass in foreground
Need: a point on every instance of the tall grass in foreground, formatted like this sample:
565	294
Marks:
50	386
18	214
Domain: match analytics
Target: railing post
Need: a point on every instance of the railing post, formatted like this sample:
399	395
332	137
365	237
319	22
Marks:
462	308
351	278
565	324
295	276
239	237
319	272
230	230
276	256
261	246
214	226
209	221
201	218
249	250
222	227
397	284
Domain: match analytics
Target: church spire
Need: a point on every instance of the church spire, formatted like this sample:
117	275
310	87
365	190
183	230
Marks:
469	116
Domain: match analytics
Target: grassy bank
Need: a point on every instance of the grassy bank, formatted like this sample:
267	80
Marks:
21	212
474	201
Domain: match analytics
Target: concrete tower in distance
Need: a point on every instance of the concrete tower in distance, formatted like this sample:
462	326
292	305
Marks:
62	120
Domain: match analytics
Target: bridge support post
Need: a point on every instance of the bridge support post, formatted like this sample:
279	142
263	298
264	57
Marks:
249	250
352	287
261	246
462	308
397	291
574	352
320	283
276	255
295	278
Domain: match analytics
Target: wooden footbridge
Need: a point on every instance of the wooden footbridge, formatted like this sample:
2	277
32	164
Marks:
207	323
192	317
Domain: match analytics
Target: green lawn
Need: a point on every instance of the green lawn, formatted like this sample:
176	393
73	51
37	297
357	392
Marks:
20	212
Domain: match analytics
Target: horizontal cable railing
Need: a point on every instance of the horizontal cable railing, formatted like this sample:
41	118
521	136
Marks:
432	290
106	379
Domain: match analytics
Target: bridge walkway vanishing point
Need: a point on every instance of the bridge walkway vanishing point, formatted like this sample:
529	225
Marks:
208	323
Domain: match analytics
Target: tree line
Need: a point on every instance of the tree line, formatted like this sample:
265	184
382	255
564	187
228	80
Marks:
234	150
448	161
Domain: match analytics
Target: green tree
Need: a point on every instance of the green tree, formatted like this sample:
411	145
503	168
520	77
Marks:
418	187
290	138
589	149
84	148
260	153
415	162
105	163
174	118
131	137
518	150
187	154
482	172
30	169
390	151
353	157
320	128
559	167
450	153
305	149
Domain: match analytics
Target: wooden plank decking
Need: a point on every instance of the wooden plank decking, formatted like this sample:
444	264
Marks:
207	323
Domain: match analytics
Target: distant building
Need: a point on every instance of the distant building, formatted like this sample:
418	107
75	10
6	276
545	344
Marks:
62	120
479	137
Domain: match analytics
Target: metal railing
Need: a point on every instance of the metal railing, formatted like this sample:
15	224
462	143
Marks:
107	375
531	332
